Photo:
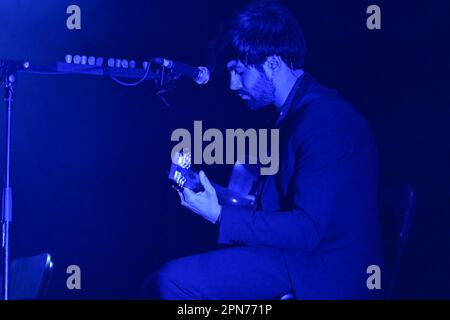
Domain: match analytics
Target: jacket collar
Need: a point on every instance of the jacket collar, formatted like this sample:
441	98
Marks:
304	85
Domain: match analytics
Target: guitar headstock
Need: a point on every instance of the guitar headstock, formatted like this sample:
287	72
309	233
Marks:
181	174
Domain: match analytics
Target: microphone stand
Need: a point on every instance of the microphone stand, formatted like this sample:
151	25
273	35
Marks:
8	71
8	82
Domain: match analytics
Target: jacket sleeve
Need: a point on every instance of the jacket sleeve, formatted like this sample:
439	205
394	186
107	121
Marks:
322	175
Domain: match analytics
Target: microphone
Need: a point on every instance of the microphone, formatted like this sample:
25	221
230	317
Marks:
15	65
200	74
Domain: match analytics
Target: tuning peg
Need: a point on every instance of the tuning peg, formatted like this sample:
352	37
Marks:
99	61
68	58
111	62
177	187
124	63
77	59
181	181
132	64
145	65
118	63
91	60
83	59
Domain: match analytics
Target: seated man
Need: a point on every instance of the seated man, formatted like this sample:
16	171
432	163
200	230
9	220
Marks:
315	230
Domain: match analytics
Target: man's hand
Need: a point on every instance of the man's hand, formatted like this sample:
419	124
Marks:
204	203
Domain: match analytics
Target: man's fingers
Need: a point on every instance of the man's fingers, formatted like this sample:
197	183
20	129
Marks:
181	196
183	202
205	182
188	194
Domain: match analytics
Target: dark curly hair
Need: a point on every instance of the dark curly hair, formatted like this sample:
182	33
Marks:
262	29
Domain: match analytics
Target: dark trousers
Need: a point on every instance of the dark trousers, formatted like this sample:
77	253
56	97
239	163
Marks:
226	274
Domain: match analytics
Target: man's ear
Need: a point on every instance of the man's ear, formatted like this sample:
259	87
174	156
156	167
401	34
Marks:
272	65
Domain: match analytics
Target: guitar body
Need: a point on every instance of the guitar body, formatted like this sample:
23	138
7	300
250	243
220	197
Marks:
242	186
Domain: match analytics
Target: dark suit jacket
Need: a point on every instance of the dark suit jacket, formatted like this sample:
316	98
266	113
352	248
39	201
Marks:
320	209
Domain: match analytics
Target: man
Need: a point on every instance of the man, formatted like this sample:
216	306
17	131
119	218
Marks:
316	230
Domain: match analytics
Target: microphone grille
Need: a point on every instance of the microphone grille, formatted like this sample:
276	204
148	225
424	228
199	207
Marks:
202	76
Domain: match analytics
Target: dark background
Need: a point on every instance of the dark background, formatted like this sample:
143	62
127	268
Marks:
90	157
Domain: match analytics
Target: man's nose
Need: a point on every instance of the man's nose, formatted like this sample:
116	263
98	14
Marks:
235	83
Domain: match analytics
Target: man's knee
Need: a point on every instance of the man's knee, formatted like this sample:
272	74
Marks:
168	283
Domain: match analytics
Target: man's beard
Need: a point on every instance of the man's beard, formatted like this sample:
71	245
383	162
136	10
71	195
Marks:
262	93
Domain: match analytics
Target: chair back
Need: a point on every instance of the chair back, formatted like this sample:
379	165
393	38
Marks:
397	207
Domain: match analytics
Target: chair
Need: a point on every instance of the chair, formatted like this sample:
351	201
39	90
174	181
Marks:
29	277
397	206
